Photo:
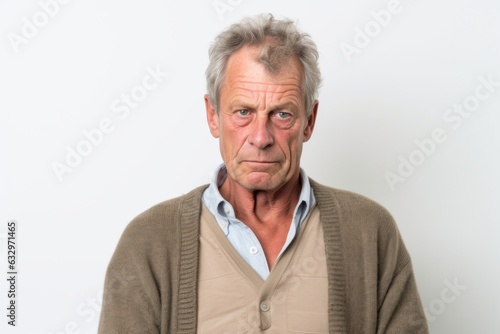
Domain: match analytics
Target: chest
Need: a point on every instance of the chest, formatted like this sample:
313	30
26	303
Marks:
233	298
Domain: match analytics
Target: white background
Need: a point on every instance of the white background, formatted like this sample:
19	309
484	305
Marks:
374	105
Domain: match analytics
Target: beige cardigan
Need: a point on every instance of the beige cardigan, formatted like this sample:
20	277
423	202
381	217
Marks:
151	281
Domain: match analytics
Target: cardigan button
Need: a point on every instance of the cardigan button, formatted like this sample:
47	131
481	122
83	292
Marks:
265	306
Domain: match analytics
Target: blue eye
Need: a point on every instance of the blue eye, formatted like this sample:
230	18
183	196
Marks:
282	114
243	112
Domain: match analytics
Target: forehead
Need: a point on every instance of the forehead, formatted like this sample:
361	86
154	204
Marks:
245	69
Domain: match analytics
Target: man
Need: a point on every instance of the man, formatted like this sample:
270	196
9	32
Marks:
262	249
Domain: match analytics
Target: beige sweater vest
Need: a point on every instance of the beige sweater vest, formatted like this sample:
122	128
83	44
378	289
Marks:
233	298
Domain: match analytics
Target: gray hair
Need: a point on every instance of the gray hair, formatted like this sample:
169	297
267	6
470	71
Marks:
280	39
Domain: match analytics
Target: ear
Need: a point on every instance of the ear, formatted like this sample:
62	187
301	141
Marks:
212	117
308	130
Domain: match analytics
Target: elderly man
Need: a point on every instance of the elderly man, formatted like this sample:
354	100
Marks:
263	248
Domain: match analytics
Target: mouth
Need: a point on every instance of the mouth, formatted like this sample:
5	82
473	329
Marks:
260	165
259	162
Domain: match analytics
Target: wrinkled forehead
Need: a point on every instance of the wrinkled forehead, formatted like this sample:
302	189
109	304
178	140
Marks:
246	64
264	60
248	79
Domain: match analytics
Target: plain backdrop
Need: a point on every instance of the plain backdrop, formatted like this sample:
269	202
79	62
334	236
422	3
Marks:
65	69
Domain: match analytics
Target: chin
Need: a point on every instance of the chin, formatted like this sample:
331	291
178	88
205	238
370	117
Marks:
266	183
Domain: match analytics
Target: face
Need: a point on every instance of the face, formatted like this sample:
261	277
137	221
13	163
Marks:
262	122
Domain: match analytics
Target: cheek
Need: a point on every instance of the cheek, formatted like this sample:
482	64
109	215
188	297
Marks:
231	141
291	142
294	149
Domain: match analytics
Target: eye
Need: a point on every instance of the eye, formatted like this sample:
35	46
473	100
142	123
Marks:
243	112
283	115
283	119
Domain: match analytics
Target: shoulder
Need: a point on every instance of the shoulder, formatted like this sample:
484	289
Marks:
365	228
352	207
161	223
169	209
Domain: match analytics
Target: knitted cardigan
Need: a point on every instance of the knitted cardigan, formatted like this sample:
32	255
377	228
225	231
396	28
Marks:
152	279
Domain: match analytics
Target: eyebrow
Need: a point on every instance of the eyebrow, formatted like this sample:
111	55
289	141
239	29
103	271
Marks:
242	104
245	105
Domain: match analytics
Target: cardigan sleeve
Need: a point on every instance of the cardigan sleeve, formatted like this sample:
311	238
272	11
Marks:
401	310
399	307
131	300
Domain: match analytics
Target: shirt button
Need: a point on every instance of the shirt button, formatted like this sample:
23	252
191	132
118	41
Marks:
226	210
265	306
253	250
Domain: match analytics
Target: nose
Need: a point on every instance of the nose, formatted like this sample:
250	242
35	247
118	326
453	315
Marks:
261	135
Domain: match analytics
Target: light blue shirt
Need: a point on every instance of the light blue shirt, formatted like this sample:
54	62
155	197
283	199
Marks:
241	236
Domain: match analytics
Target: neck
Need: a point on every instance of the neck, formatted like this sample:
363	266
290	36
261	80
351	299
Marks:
264	206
